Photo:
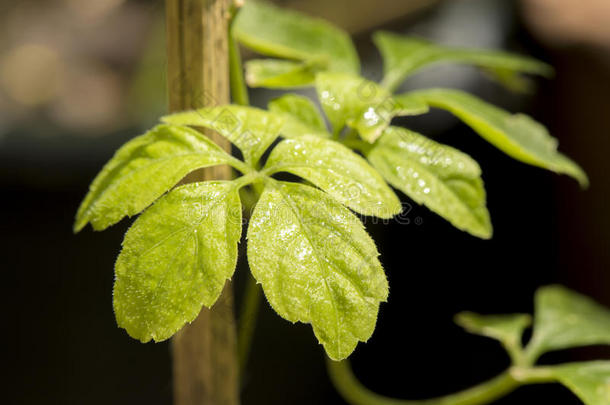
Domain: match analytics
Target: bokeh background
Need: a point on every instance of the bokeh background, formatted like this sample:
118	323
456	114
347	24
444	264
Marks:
78	78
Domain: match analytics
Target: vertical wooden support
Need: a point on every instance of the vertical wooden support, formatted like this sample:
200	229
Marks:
204	352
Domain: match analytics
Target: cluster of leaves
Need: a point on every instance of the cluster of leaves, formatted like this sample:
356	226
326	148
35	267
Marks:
310	252
563	319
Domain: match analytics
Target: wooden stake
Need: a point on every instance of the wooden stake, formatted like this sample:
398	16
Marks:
204	353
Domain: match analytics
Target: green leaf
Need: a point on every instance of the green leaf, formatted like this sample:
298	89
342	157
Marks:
361	104
403	56
288	34
316	264
409	105
510	79
564	319
301	116
279	74
505	328
124	186
177	257
252	130
517	135
590	381
508	329
338	171
440	177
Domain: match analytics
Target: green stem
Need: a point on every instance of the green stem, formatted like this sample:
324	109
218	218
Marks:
247	321
353	392
353	141
251	299
239	91
391	82
517	355
240	166
532	375
252	177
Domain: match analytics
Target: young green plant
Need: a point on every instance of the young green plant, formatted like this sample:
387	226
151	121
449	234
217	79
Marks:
305	245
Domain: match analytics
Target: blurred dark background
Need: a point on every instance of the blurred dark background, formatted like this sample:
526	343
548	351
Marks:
78	78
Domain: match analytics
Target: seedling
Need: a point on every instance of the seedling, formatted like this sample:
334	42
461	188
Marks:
305	245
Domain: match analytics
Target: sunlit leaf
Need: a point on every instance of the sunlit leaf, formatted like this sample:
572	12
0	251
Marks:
252	130
142	170
301	116
517	135
564	319
288	34
440	177
361	104
177	257
590	381
316	264
337	170
403	56
279	74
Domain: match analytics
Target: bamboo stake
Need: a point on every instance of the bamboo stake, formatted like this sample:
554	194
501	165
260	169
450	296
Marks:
204	352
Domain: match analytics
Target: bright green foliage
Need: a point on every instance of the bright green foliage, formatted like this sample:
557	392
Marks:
312	255
444	179
403	56
316	264
281	33
177	257
179	253
517	135
565	319
361	104
590	381
338	171
252	130
279	74
125	187
301	116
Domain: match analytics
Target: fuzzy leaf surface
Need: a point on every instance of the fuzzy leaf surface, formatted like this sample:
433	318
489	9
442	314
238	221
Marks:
176	258
337	170
251	129
316	264
442	178
142	170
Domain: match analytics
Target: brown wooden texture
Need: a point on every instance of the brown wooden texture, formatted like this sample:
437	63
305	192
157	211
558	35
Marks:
204	352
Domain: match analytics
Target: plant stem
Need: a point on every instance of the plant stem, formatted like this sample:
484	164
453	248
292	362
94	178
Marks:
251	300
517	355
353	392
239	91
391	82
247	321
353	141
204	352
